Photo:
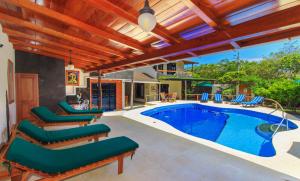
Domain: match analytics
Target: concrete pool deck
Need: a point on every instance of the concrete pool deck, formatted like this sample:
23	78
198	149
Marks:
167	157
283	161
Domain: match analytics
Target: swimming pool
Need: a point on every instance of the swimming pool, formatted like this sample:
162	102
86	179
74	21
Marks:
234	128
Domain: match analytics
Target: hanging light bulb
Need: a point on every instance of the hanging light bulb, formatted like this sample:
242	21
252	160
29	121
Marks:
147	20
70	65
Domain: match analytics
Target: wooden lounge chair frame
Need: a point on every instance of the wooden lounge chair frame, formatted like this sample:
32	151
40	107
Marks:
22	173
43	124
63	112
62	143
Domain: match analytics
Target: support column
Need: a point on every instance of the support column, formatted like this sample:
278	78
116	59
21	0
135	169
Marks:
131	94
99	90
185	90
159	89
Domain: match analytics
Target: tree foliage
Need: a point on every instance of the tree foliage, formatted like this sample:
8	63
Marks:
274	76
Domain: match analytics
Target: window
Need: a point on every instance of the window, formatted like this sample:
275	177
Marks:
139	91
160	67
171	67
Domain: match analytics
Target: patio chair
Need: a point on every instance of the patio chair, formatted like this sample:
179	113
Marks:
59	138
204	97
26	159
240	98
254	102
163	97
173	97
67	109
48	118
218	98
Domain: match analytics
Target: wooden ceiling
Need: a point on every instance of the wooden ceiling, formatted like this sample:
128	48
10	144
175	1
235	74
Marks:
103	34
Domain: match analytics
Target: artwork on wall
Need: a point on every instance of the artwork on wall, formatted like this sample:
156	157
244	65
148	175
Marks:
11	82
72	77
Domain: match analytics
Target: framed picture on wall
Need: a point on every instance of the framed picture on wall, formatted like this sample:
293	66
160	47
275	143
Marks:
72	77
11	82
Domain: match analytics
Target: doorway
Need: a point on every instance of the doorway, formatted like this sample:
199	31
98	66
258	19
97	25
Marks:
108	96
27	95
164	88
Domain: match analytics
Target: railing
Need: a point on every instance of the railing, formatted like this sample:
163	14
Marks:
277	106
174	73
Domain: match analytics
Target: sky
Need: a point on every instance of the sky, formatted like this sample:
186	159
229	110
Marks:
253	53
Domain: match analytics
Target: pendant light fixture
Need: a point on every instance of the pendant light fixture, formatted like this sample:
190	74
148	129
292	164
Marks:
147	19
70	65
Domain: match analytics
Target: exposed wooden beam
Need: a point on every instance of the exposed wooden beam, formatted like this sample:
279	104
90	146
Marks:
55	51
193	54
44	53
286	18
208	16
107	6
202	12
235	45
14	33
294	32
106	34
20	22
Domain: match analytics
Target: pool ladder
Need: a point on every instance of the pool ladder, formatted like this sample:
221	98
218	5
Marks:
279	107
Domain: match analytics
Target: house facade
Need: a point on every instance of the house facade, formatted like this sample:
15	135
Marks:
143	84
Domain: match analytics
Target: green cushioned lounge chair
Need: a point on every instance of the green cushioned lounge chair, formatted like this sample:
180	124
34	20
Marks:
26	158
48	118
66	108
59	138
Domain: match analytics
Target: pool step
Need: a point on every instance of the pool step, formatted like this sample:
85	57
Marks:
266	130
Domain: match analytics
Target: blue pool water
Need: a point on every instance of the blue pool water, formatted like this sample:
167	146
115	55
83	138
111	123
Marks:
234	128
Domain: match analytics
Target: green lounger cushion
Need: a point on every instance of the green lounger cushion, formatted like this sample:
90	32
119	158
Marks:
44	136
59	161
46	115
69	109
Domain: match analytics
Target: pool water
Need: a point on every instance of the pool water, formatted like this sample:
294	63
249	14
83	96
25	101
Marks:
235	128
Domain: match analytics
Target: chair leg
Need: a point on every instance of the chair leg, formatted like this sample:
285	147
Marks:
21	176
120	164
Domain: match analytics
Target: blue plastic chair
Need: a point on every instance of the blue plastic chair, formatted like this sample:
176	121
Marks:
204	97
240	98
218	98
254	102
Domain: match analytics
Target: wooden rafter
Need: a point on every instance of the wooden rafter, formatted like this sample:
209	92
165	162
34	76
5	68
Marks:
88	54
26	24
209	17
51	50
260	26
44	53
106	34
203	12
105	5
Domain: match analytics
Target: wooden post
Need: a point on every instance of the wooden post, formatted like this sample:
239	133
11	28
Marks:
131	94
99	90
120	164
185	90
192	69
159	89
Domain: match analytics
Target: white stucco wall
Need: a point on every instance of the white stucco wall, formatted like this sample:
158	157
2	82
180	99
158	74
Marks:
6	52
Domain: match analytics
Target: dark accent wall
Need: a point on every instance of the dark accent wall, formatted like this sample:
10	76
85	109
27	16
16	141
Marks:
51	76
